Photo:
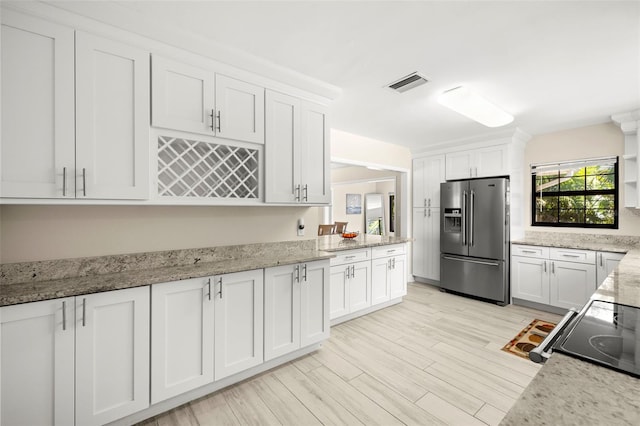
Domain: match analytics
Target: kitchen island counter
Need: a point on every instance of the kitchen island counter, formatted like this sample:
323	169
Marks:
568	391
333	243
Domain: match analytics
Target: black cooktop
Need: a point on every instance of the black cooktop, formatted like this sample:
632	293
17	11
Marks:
605	333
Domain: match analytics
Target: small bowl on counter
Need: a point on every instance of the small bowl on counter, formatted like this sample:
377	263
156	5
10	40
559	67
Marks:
349	235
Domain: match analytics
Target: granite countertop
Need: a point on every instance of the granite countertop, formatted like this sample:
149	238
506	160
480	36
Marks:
568	391
333	243
35	281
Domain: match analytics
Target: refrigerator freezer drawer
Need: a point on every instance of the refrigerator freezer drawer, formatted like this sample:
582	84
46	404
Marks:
484	278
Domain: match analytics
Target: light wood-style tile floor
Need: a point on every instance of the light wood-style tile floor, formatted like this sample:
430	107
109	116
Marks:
434	359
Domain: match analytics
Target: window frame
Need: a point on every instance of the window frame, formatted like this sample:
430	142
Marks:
566	164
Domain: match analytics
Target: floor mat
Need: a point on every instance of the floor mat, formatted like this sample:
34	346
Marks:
530	337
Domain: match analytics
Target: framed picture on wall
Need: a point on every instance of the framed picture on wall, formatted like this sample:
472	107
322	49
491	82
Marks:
354	203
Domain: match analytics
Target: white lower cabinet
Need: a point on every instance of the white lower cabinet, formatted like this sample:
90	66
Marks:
388	273
38	363
605	263
542	275
426	245
350	282
100	339
296	312
181	337
238	322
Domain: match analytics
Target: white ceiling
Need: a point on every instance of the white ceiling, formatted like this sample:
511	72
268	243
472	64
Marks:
553	65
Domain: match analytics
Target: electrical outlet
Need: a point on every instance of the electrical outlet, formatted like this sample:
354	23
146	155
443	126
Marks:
300	227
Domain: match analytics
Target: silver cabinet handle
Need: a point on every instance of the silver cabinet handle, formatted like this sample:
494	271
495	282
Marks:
84	182
64	182
212	126
220	292
571	255
297	277
304	272
219	128
297	192
545	266
425	212
353	271
305	192
64	315
553	267
348	271
394	263
425	202
389	264
209	288
529	251
84	312
429	212
350	257
429	203
601	260
476	172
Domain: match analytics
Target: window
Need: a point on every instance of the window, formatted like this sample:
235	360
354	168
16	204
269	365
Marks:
581	194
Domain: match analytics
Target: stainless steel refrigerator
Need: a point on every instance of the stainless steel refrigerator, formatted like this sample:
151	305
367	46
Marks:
474	238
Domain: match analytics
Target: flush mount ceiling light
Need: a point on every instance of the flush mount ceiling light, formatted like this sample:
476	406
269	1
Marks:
473	106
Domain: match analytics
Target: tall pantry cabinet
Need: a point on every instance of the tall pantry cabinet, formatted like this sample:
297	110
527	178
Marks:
428	173
89	97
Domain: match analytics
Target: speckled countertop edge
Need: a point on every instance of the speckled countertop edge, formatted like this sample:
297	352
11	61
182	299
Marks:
24	292
335	243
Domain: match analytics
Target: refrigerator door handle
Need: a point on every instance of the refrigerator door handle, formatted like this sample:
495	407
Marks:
479	262
471	217
464	218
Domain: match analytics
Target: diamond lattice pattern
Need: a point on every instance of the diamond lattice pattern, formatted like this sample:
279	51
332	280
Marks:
188	168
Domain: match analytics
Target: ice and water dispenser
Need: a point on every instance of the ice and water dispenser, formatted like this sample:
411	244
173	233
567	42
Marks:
452	220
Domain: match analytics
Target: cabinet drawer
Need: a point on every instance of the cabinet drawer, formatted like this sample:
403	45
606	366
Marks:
572	255
350	256
384	251
530	251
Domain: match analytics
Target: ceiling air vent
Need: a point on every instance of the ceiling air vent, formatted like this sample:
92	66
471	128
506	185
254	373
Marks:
408	82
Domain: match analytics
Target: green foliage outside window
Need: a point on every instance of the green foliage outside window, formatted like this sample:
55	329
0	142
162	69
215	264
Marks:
580	197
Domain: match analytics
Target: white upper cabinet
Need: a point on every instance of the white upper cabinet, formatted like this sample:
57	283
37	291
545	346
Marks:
475	163
197	100
112	119
38	134
182	96
49	150
296	151
428	173
239	110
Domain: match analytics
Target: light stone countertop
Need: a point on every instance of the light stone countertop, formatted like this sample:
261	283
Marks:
333	243
35	281
568	391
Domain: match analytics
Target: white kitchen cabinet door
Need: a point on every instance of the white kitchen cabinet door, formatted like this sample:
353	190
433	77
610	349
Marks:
314	298
459	165
339	291
605	263
281	310
314	154
239	110
112	355
112	119
491	161
530	279
571	284
282	168
182	96
181	337
428	173
38	133
380	280
296	151
398	277
38	362
239	334
359	286
426	243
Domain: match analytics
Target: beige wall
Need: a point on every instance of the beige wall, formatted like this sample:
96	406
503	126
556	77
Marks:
356	221
56	232
585	142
